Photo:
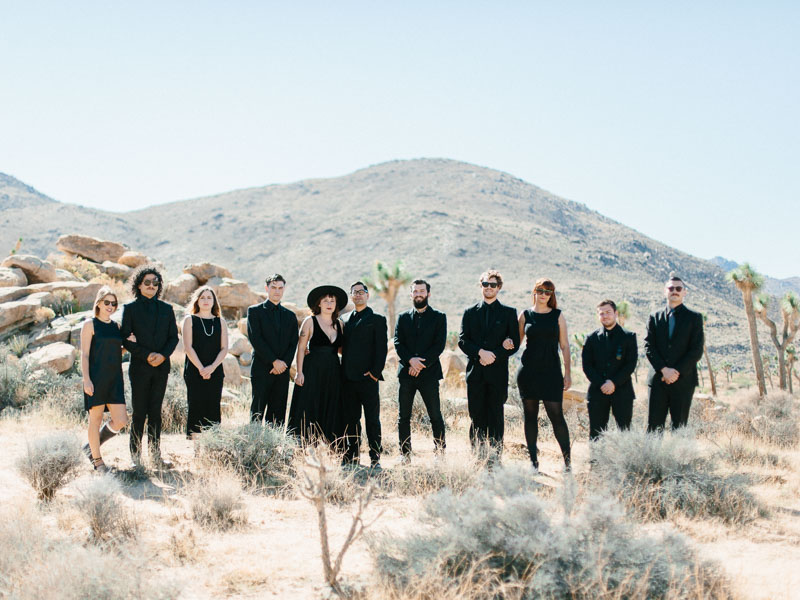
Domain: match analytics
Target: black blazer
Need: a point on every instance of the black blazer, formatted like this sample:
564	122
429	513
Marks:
154	333
615	361
270	342
426	341
365	345
682	352
475	336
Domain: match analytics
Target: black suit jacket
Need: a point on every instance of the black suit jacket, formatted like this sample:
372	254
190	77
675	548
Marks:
270	342
154	332
426	341
615	361
365	345
682	352
475	336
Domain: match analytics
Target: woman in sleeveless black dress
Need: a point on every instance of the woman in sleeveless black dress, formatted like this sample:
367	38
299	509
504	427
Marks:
205	341
316	410
101	366
544	330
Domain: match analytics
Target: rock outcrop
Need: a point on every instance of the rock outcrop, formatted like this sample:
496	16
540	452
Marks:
12	277
91	248
59	356
233	293
206	270
133	259
36	270
18	313
180	289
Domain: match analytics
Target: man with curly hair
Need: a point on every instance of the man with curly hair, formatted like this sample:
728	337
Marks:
155	336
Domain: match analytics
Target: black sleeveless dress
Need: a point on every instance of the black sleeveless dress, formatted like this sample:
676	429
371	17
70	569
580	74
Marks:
317	405
540	377
204	395
105	365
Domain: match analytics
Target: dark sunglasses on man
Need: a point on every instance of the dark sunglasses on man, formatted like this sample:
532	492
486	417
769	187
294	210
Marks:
491	284
151	282
675	288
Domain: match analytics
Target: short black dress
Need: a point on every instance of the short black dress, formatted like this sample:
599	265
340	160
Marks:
316	409
204	395
540	377
105	365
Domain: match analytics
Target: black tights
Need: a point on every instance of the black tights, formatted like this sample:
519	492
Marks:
556	414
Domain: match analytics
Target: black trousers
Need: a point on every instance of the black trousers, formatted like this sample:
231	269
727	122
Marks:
148	385
355	395
485	402
601	406
429	390
270	395
676	400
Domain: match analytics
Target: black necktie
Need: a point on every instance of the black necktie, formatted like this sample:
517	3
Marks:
671	322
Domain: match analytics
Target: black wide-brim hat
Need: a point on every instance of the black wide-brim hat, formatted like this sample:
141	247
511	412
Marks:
327	290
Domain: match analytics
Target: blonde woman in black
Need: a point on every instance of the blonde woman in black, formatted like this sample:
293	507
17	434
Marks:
101	366
205	342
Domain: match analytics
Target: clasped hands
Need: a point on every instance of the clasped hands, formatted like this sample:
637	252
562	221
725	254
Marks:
278	367
487	357
669	375
154	358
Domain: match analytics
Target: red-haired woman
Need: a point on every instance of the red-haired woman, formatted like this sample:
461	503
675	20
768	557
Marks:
544	330
205	341
101	366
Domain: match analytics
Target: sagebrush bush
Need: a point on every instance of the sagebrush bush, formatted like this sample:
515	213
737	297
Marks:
37	565
741	452
51	462
420	479
25	389
175	408
216	500
774	419
262	455
13	373
100	503
80	267
63	303
658	475
501	539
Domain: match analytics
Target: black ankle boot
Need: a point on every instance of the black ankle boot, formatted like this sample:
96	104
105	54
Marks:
105	435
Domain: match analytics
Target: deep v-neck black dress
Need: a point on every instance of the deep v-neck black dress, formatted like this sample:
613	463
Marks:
316	409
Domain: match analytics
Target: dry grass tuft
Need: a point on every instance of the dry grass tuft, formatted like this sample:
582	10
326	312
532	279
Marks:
216	500
109	519
774	419
50	463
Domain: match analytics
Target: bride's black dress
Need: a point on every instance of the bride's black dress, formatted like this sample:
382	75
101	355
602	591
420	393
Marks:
316	409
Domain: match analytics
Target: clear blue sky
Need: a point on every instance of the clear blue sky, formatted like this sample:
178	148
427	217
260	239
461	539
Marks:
679	119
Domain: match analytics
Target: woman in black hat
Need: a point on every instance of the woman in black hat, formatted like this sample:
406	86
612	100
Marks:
316	410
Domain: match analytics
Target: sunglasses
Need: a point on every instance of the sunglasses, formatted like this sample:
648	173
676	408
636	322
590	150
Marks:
151	282
675	288
544	291
110	303
491	284
359	293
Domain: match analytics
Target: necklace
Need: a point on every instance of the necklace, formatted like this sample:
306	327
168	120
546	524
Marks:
203	323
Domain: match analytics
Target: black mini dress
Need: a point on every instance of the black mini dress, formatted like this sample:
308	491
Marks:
540	377
105	365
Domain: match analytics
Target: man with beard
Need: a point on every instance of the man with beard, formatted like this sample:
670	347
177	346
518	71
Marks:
489	336
272	330
363	359
609	358
673	344
155	336
419	339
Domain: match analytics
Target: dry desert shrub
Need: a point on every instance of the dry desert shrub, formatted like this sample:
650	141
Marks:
657	476
744	452
773	419
424	479
80	267
217	501
63	303
500	538
100	503
262	455
36	565
51	462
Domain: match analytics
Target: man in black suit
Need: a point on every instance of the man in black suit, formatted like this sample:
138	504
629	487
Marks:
673	344
419	339
609	359
272	330
489	336
152	323
363	358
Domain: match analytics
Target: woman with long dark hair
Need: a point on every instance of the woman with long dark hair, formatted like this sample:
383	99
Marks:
316	410
205	342
101	366
543	329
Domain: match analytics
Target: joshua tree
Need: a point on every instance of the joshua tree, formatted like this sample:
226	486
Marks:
728	368
624	311
387	281
791	358
579	339
708	361
790	314
748	281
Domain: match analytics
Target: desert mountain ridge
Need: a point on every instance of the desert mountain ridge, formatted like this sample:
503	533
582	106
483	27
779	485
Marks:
447	220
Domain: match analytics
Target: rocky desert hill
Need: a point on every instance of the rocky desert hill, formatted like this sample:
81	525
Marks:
447	220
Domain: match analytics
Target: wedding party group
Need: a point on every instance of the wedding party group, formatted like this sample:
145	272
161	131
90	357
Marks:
339	361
